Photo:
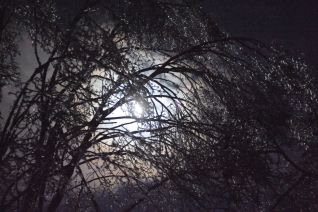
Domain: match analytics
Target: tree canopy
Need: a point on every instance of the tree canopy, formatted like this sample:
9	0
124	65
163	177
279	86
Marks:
147	105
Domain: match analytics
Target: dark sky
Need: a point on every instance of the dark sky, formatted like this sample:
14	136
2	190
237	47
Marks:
293	23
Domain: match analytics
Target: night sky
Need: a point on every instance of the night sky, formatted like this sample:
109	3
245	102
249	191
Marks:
292	23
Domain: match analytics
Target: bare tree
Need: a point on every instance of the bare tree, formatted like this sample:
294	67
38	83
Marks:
150	96
257	128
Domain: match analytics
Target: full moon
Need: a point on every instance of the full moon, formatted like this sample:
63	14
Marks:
138	109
